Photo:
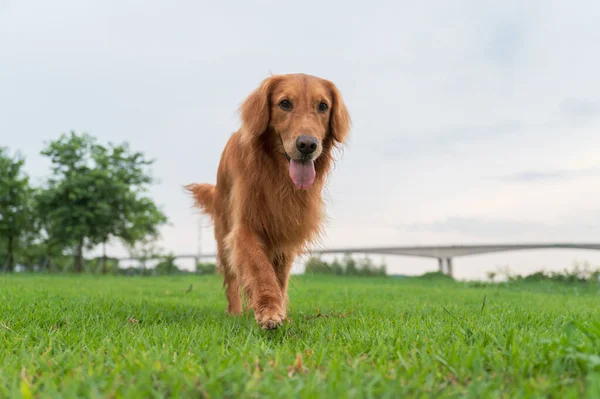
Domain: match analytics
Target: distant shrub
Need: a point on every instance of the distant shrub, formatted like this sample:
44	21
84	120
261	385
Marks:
366	267
347	267
166	265
134	271
435	276
206	268
317	266
578	274
336	268
94	265
350	265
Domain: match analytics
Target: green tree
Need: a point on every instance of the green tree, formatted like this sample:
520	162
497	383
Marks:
206	268
167	265
31	255
366	267
317	265
337	268
16	216
129	214
51	246
350	264
96	193
69	204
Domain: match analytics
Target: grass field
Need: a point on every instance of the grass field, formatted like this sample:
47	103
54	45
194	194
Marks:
86	336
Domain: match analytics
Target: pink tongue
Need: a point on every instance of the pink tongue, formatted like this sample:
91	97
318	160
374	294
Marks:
302	173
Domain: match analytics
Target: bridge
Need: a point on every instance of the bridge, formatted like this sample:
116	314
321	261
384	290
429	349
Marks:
443	253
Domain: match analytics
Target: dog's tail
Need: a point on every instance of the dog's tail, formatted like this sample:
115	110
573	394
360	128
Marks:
204	196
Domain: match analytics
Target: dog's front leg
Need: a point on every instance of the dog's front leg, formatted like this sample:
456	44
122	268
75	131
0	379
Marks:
258	278
283	266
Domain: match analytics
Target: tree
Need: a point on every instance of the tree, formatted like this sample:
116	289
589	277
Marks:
16	216
51	245
31	254
167	265
96	193
317	265
337	268
350	263
69	204
206	268
129	214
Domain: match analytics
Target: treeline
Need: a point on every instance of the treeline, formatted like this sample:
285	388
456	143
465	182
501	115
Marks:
165	266
348	266
94	194
580	273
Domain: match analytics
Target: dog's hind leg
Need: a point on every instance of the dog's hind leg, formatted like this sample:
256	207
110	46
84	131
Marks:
231	284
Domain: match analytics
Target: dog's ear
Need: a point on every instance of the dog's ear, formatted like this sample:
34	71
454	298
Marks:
339	121
256	110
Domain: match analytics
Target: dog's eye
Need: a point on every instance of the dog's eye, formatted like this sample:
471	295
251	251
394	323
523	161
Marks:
285	105
323	107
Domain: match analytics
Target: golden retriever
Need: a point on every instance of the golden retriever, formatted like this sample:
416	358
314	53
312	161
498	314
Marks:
266	205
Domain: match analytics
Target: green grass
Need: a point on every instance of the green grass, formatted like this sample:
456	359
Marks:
86	336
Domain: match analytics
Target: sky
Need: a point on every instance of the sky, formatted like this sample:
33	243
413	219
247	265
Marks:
473	122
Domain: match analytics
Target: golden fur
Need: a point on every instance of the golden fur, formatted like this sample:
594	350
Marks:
262	221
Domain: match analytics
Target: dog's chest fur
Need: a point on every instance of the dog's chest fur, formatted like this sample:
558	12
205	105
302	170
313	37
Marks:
289	219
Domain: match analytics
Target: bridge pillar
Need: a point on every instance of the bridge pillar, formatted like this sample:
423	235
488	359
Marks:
449	266
441	265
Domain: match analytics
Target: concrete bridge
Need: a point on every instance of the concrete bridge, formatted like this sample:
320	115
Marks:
443	253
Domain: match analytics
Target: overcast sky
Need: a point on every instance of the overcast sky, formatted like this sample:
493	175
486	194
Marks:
472	123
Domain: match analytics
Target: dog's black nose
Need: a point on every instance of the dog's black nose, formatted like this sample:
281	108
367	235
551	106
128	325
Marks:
306	144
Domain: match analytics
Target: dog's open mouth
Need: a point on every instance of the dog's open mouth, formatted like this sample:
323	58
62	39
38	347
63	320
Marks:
302	173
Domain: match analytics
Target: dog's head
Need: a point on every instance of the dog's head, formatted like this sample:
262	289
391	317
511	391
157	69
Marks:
305	114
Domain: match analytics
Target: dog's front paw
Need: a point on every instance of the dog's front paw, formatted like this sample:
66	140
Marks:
270	317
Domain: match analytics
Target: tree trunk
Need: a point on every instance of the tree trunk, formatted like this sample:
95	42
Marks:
79	257
104	266
44	266
10	250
